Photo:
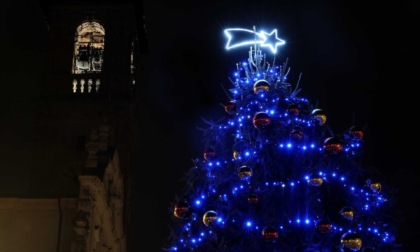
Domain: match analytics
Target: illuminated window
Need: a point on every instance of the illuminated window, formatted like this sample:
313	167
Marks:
89	44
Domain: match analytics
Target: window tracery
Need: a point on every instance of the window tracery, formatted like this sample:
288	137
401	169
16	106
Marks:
89	47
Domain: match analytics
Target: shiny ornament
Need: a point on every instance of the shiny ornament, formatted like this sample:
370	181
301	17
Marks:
238	147
323	226
261	85
351	241
270	234
356	133
230	107
297	133
252	198
347	212
293	109
245	172
209	217
375	187
181	209
210	153
319	116
332	145
236	154
261	120
315	181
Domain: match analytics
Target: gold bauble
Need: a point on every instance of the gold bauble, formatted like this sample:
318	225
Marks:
236	154
351	241
347	212
209	217
245	172
376	187
315	181
319	116
261	85
238	149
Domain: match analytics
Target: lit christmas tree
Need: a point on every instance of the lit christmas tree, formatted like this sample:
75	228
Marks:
275	177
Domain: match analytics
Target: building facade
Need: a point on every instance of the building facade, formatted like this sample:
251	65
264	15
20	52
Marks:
80	192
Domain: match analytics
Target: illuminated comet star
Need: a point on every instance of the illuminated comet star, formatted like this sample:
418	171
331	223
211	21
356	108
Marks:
270	40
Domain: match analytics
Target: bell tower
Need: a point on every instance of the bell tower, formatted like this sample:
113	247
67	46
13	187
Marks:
87	121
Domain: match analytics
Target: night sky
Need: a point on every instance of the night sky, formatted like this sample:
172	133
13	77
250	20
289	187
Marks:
358	62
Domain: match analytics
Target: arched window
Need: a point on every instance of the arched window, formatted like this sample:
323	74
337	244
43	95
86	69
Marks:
89	44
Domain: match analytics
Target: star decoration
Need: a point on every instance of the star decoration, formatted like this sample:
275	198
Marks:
238	37
271	40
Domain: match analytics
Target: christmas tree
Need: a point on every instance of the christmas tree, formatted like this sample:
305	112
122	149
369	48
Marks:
274	176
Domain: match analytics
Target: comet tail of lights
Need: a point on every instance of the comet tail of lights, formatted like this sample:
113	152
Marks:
274	176
236	38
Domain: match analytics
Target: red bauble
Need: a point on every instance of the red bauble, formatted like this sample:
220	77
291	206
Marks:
293	109
270	234
323	226
261	120
181	209
297	133
356	133
252	198
332	145
210	153
230	107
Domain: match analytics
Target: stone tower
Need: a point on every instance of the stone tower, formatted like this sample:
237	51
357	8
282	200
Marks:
81	177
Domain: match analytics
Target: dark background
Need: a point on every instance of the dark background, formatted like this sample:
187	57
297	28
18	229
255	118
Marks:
359	62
